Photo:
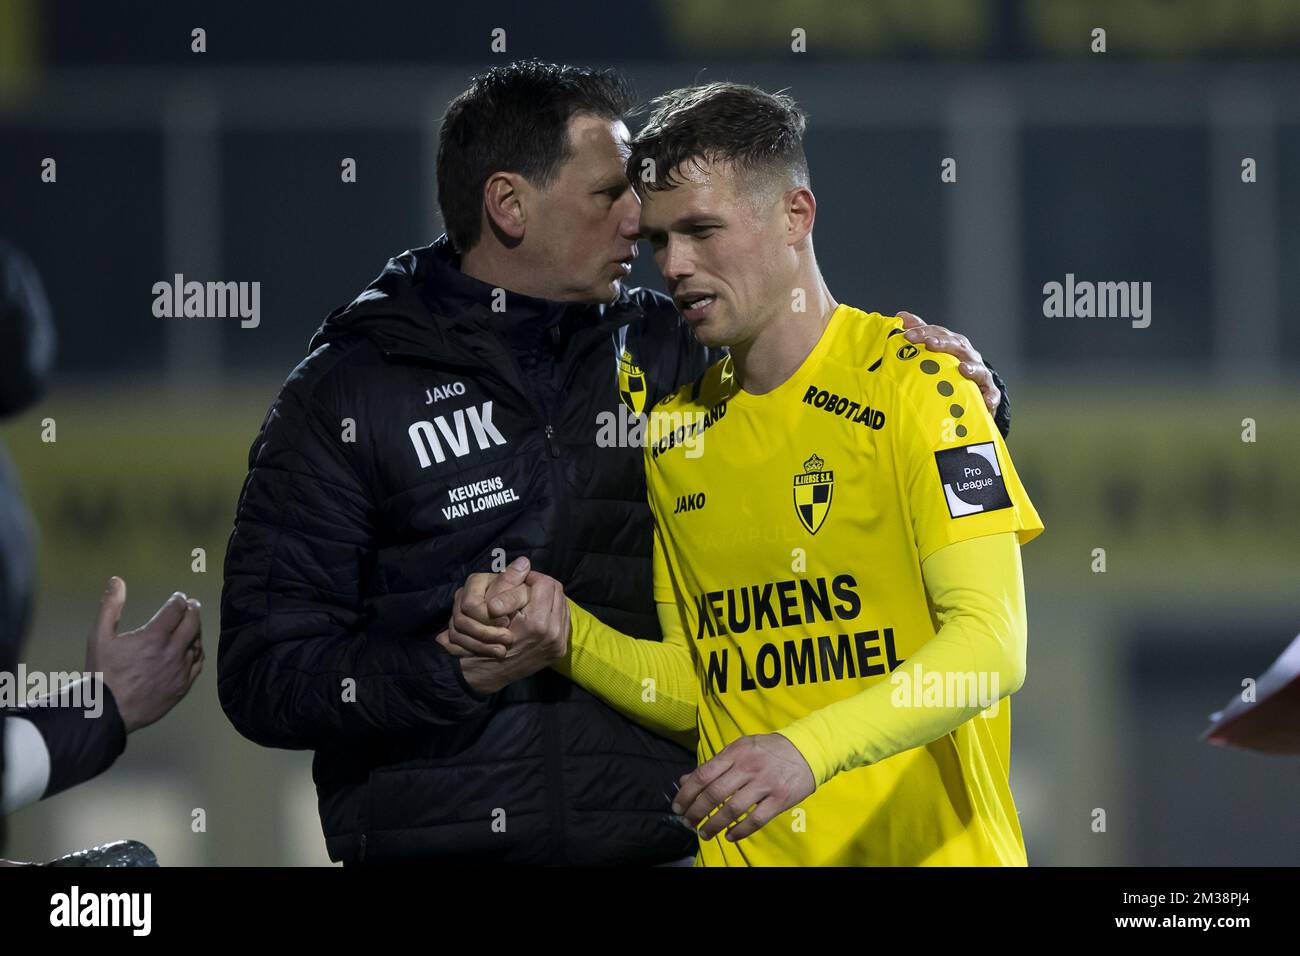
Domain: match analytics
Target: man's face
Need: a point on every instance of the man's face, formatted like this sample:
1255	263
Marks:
584	229
722	249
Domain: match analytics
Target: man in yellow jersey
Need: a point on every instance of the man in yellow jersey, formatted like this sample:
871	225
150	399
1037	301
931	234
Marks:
838	525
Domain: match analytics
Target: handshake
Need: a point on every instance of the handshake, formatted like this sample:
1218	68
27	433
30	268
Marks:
505	626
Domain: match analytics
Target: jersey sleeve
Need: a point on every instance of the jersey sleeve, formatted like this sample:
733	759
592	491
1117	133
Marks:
958	478
663	585
650	682
977	589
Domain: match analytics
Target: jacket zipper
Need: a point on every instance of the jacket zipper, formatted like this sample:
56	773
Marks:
554	751
554	755
550	716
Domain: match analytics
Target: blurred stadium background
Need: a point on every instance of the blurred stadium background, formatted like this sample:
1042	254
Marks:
1123	166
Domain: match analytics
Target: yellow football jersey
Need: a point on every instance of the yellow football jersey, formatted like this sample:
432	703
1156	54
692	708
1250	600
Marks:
790	528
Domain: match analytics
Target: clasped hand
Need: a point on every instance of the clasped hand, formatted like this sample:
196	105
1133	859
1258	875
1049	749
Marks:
507	625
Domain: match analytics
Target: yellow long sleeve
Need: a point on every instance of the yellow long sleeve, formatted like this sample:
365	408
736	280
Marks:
976	588
650	682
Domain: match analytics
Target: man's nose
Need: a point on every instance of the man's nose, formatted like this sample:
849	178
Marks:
630	224
677	261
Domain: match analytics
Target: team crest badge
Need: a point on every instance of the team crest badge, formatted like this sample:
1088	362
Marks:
812	493
631	383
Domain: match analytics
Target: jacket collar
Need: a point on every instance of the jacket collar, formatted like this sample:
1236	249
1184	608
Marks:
421	303
449	291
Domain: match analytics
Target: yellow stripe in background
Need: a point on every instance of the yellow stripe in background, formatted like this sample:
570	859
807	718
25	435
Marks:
19	47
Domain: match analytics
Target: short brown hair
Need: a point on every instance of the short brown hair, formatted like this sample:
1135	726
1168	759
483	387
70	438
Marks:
754	130
514	118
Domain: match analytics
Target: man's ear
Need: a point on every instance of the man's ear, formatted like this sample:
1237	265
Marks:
505	202
800	212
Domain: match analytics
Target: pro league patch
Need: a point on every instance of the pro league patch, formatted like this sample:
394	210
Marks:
972	479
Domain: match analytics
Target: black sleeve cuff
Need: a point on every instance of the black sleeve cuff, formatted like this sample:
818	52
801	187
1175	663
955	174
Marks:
81	744
1002	418
470	692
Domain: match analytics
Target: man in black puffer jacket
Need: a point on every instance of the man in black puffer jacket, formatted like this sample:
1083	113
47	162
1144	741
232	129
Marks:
471	406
